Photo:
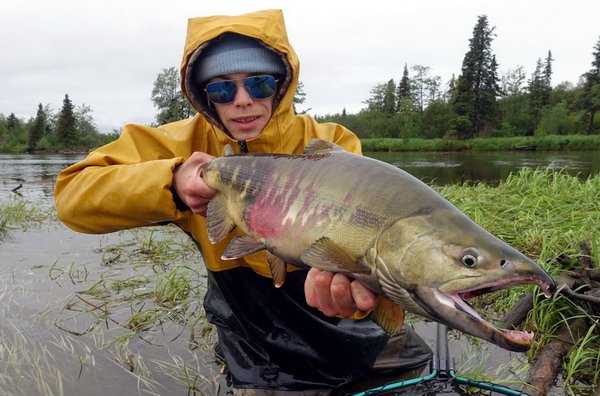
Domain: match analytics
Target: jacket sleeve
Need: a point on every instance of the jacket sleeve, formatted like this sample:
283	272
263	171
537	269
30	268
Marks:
346	139
121	185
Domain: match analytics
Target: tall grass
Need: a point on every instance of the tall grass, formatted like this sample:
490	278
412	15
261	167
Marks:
550	142
554	218
547	215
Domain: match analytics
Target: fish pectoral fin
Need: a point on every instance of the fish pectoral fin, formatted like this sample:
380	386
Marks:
325	254
388	315
218	221
242	246
318	146
278	269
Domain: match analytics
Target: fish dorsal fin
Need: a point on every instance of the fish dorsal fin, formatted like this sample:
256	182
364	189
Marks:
278	269
242	246
319	146
325	254
228	150
388	315
218	221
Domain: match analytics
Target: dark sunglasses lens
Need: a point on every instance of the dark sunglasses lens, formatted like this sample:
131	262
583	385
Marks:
260	87
221	91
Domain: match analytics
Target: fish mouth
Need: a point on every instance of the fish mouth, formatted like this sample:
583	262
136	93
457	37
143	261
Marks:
452	309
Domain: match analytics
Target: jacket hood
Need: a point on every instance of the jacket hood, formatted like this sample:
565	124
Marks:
266	26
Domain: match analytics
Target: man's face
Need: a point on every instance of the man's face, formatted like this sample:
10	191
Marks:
244	117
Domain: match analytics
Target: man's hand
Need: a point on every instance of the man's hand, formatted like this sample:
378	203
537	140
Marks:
335	294
188	183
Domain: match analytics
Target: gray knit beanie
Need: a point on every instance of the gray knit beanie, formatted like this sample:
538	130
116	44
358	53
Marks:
234	53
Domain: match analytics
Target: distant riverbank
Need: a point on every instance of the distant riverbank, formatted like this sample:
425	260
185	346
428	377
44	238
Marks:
522	143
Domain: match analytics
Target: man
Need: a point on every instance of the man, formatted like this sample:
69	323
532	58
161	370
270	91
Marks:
240	73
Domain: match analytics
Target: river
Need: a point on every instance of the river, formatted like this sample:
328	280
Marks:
36	173
47	272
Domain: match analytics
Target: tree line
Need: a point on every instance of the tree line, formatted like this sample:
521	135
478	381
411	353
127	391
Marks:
477	103
71	129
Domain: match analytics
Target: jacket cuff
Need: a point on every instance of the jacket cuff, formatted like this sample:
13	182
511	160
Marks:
179	204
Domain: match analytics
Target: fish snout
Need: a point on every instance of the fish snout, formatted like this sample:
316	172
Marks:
537	275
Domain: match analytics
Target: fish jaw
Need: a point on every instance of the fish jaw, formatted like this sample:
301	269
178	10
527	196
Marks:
451	308
453	311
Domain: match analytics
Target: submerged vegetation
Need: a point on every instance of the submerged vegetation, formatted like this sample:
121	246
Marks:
19	214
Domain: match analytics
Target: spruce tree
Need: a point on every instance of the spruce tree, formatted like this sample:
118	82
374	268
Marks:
12	121
590	97
536	92
389	98
66	129
37	129
474	96
403	92
548	78
540	88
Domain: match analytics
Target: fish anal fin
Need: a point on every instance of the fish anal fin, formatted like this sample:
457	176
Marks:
218	221
278	269
325	254
318	146
388	315
242	246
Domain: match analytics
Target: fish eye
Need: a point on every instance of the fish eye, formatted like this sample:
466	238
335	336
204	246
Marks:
469	260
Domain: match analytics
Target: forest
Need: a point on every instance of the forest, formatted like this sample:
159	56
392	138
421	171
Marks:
475	103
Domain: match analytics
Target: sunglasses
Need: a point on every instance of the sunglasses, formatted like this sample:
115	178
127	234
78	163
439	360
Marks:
258	87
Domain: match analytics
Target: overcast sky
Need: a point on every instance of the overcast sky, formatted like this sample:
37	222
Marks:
107	53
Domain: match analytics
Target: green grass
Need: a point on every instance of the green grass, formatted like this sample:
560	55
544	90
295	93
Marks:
545	214
18	214
551	142
554	218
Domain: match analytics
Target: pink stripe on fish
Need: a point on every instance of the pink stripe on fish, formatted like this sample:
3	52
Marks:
272	213
267	216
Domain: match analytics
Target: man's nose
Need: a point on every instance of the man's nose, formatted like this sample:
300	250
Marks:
242	97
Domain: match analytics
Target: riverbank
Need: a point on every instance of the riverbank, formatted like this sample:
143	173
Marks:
517	143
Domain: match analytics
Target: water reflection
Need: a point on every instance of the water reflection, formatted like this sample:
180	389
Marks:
36	173
490	167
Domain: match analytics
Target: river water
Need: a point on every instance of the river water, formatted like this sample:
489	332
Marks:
36	173
46	349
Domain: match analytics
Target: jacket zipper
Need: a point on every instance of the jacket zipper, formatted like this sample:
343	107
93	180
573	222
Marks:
243	146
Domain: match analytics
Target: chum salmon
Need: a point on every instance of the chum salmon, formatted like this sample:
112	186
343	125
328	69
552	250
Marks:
341	212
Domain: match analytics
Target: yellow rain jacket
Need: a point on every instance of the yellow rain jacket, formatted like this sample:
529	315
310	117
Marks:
269	337
128	183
